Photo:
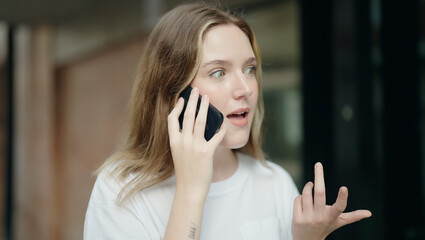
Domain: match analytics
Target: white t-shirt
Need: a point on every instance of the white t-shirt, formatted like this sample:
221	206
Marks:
254	203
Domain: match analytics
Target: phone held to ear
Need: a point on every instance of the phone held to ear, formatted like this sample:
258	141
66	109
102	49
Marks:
214	116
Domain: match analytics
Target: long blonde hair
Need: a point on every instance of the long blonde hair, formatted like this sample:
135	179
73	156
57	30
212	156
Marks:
169	63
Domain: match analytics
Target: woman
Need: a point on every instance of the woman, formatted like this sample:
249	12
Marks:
168	181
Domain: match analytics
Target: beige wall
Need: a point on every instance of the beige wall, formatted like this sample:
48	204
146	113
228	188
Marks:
92	99
35	206
69	120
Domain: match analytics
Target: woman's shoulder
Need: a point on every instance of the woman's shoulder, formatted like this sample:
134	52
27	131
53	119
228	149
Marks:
107	185
111	183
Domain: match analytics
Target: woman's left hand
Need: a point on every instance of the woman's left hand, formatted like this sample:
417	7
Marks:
316	220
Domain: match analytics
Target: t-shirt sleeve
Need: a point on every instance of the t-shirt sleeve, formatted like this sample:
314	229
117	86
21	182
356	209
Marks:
108	221
105	219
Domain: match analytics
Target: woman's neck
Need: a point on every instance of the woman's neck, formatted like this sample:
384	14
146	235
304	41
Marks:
225	164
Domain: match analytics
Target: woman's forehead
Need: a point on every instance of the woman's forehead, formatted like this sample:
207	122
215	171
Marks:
226	43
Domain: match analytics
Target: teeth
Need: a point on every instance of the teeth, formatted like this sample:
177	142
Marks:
238	114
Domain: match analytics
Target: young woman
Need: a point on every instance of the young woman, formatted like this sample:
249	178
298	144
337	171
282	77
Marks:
168	181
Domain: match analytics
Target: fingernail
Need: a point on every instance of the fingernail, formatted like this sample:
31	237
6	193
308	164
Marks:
317	165
205	98
195	90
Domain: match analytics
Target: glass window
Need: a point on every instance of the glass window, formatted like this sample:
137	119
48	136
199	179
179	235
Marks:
276	26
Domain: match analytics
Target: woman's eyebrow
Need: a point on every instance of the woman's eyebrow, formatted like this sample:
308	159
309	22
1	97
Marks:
217	62
251	60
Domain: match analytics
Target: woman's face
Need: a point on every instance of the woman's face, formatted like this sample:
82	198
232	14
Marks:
227	75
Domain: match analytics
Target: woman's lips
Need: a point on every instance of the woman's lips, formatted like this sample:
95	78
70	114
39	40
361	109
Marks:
239	117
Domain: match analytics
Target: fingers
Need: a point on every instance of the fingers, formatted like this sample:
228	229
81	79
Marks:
319	188
340	204
189	114
194	123
298	208
173	117
313	218
201	119
319	206
218	137
307	200
338	208
351	217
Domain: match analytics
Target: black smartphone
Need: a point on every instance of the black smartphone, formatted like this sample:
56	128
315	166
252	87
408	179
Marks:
214	116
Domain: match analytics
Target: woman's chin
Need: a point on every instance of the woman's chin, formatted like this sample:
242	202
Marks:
235	142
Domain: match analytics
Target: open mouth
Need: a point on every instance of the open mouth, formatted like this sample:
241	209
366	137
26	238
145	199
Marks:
238	115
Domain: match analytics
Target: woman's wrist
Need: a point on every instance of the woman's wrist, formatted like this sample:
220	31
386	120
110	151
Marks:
191	195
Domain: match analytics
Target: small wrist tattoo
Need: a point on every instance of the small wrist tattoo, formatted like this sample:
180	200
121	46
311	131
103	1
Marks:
192	230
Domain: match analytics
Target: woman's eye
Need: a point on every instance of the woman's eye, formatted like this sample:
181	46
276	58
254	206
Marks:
218	74
250	70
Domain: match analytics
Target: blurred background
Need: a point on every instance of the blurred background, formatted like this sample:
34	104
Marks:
344	84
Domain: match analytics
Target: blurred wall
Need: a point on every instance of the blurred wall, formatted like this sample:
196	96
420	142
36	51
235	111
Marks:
92	97
69	120
3	116
34	202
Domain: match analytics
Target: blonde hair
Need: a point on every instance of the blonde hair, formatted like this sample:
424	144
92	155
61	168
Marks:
169	63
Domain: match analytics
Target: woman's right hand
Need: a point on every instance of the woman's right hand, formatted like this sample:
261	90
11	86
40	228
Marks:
192	154
313	219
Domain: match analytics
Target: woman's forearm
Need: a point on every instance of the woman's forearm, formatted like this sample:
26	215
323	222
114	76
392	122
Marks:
185	217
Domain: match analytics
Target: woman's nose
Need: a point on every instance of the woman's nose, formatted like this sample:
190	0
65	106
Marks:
242	87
